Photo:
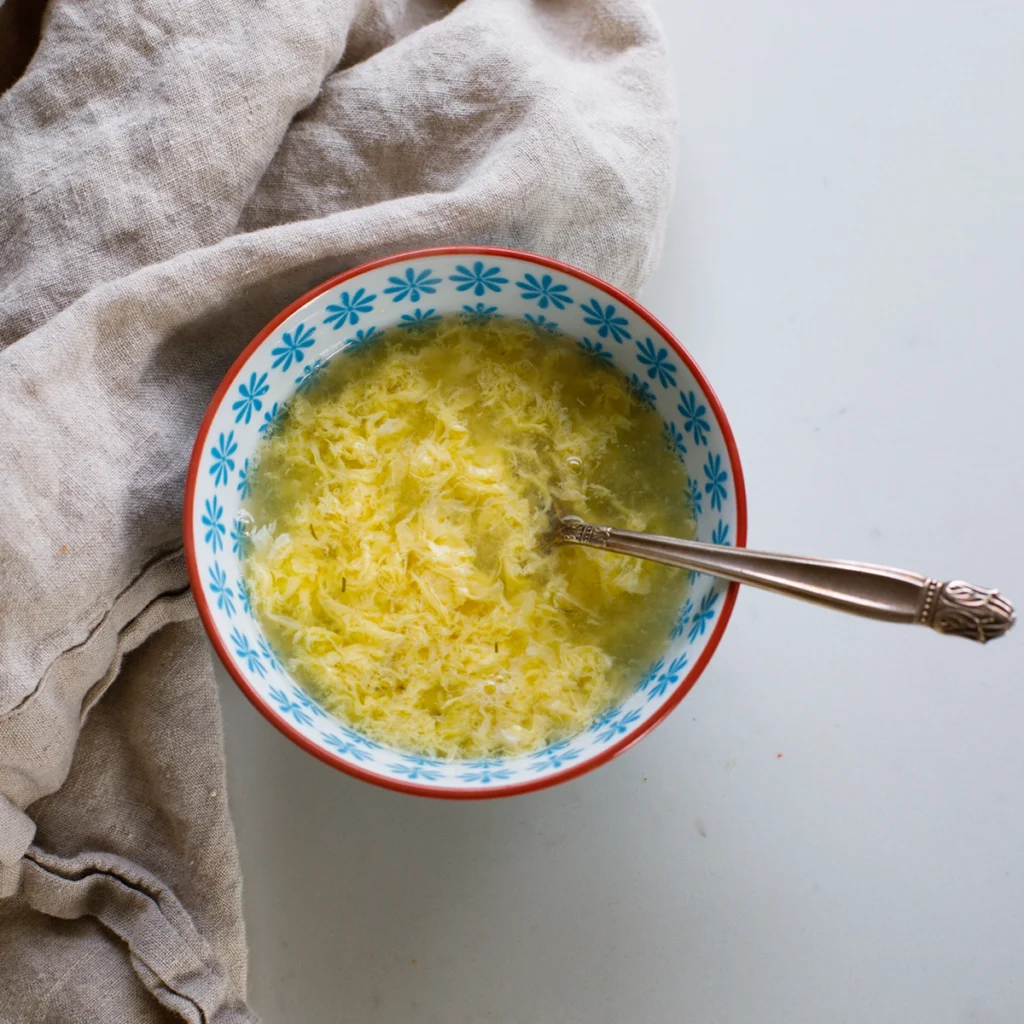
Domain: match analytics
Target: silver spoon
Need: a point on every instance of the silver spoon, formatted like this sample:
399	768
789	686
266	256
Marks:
874	591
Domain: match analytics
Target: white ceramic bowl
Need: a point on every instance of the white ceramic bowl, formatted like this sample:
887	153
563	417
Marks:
412	289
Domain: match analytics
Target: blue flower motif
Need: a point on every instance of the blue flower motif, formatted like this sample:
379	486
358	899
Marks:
243	596
415	768
345	746
479	279
619	726
668	678
412	286
271	657
419	319
683	621
290	349
361	338
247	652
605	320
239	538
358	738
348	308
675	440
659	362
270	417
603	719
641	391
287	706
486	775
595	350
693	417
212	517
696	498
483	762
650	674
250	401
544	291
308	703
717	477
222	463
705	613
481	312
310	375
542	323
553	757
219	586
244	481
720	534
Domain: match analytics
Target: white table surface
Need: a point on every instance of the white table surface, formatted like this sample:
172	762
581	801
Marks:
831	825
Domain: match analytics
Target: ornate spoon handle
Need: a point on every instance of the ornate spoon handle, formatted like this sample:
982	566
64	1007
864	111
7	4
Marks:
874	591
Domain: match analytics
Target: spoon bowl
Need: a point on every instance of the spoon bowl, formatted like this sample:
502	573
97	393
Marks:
409	290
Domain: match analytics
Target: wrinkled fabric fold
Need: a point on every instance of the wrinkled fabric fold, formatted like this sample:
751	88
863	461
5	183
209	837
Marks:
172	177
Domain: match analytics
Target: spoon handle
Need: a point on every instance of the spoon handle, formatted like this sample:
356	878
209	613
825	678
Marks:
874	591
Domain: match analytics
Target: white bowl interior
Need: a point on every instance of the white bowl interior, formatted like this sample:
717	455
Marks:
410	292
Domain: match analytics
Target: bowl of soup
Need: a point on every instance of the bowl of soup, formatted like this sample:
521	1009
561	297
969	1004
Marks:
369	510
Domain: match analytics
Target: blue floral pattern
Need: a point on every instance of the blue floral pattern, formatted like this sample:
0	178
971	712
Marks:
270	418
554	757
221	590
244	483
309	704
239	537
696	498
619	725
346	747
606	320
544	291
243	596
250	399
667	678
659	361
213	516
415	768
693	413
291	348
361	338
310	375
247	653
221	462
273	662
360	739
349	308
641	391
683	621
290	706
651	674
595	350
419	319
675	440
716	480
542	323
720	534
603	719
481	311
480	279
413	286
485	774
705	613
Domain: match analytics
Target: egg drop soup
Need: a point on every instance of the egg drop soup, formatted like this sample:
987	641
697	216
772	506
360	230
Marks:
399	556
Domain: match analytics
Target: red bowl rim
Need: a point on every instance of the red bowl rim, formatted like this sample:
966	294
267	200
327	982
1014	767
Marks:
474	793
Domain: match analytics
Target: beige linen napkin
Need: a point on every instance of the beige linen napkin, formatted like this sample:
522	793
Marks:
171	176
